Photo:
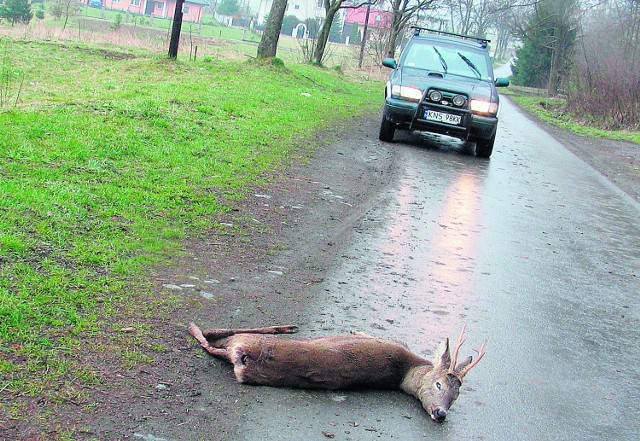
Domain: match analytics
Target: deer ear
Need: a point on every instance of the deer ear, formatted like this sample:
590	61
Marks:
464	364
442	358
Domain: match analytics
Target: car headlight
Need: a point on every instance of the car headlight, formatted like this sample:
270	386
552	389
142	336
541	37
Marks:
406	92
486	107
435	95
459	100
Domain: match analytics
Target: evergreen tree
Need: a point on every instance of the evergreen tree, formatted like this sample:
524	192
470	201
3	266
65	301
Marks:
549	37
16	11
335	32
228	7
533	59
288	23
354	37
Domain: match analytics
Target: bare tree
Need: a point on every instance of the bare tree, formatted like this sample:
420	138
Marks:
331	8
505	17
377	43
627	14
474	17
460	14
403	12
504	33
606	63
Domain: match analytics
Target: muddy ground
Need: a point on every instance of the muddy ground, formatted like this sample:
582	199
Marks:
275	247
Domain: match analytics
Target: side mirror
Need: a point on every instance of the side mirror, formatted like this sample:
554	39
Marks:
502	82
389	62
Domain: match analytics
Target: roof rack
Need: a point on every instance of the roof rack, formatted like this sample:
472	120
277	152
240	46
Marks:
483	41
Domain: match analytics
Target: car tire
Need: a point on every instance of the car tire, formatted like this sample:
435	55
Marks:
387	130
484	147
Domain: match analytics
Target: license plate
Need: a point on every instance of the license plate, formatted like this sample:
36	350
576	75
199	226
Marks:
448	118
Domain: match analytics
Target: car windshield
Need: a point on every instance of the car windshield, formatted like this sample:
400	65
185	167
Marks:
447	59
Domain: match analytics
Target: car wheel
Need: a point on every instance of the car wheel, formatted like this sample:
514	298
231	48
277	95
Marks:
484	147
387	130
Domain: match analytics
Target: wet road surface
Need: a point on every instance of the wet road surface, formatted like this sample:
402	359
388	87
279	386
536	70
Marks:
533	250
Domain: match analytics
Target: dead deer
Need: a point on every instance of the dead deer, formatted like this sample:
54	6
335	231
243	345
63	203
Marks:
340	362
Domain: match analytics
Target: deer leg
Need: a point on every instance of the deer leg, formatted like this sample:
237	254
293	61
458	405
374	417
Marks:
216	334
216	352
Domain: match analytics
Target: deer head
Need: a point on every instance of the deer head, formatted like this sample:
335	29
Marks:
438	386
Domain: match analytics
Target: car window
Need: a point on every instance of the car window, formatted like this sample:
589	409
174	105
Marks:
447	59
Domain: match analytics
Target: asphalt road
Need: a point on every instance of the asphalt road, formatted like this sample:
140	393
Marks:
534	250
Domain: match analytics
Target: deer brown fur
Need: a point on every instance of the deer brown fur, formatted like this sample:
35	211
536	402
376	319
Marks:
339	362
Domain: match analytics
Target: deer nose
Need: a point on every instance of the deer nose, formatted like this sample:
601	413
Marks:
439	414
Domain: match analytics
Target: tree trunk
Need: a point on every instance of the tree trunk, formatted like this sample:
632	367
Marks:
393	42
396	27
323	36
269	41
175	30
552	86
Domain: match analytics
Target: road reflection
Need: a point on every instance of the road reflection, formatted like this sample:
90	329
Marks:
426	258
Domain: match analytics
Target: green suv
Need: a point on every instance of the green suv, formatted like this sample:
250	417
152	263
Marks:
443	83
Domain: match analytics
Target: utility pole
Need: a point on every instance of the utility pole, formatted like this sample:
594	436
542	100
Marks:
364	35
175	30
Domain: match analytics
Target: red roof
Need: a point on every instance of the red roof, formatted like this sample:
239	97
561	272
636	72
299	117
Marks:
377	17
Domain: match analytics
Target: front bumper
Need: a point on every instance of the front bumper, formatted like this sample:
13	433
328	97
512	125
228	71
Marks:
403	114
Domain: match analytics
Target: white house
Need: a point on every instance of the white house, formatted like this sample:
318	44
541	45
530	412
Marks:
303	9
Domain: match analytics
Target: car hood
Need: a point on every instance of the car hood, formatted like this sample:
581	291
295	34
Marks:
473	88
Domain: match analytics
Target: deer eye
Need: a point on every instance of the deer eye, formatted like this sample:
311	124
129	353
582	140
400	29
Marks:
438	385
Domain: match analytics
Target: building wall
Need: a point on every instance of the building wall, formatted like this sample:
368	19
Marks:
160	8
377	17
303	9
136	6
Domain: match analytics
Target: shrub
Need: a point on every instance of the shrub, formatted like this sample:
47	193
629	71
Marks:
117	23
40	12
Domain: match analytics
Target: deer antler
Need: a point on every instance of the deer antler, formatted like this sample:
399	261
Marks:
454	359
468	367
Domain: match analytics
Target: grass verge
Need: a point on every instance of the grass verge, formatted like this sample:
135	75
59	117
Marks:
551	110
108	162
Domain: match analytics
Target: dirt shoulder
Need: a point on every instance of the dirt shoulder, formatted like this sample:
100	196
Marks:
259	267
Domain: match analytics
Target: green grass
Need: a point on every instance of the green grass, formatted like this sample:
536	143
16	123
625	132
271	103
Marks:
108	163
212	39
551	110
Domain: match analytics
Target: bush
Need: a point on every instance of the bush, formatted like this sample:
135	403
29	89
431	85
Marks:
40	12
117	23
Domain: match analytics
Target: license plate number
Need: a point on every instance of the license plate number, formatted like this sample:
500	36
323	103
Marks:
448	118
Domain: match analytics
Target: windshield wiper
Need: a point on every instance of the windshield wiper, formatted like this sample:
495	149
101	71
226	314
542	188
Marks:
444	63
471	65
